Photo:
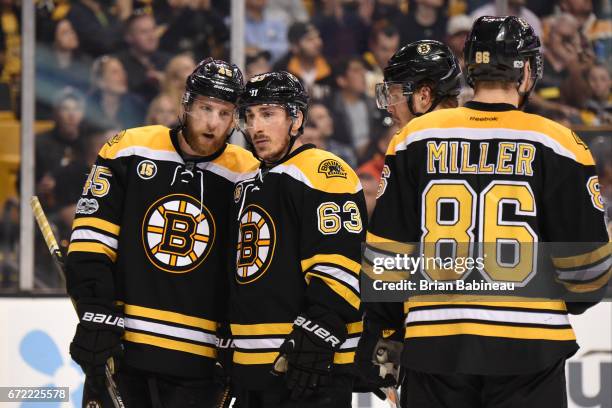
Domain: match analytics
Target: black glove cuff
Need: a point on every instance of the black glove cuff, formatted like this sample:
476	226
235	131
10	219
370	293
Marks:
99	314
326	332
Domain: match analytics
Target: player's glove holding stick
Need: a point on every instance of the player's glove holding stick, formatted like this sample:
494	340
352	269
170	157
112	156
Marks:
223	365
97	337
307	356
377	362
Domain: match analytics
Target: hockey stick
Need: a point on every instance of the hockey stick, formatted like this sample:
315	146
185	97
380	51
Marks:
57	256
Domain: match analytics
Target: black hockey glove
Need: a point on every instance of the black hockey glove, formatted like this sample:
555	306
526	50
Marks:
307	356
97	337
225	352
377	362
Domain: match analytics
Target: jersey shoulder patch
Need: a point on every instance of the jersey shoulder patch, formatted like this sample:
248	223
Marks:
322	170
129	141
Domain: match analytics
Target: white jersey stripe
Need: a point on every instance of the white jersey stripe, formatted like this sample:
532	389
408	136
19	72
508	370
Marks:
272	343
254	344
152	154
339	274
87	234
485	134
503	316
221	171
178	332
586	274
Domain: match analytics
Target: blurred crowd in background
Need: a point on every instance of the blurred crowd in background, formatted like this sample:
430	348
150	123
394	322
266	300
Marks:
105	65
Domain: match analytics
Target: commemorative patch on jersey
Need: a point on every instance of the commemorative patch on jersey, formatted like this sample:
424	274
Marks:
146	169
256	241
332	168
87	206
116	138
176	236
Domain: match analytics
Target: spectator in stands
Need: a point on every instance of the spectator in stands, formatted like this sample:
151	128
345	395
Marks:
99	31
177	71
594	29
109	102
356	117
191	26
142	60
163	110
58	65
58	147
426	21
369	184
319	117
562	54
345	26
305	60
264	31
382	44
288	10
257	62
599	107
73	178
457	30
515	8
375	153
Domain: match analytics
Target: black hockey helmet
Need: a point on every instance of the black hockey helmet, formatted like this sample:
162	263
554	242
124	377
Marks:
418	62
216	79
498	47
276	88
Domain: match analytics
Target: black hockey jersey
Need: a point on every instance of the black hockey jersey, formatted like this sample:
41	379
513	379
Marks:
151	234
300	226
488	173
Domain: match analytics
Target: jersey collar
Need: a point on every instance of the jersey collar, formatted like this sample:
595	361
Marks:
491	107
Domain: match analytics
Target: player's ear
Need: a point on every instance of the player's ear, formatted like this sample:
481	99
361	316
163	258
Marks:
297	123
526	82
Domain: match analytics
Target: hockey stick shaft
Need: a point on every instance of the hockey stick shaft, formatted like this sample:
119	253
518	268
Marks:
56	254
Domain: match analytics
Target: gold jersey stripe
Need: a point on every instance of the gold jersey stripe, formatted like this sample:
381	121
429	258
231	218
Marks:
261	329
489	330
389	245
347	357
98	223
170	344
584	259
93	247
171	317
353	328
589	286
335	259
254	358
491	301
343	291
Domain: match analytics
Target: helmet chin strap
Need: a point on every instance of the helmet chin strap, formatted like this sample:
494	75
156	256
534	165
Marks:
524	96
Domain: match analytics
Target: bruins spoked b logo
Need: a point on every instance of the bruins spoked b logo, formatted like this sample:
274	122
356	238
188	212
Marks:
176	236
256	241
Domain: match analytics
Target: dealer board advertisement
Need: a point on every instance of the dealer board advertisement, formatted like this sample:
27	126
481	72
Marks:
35	334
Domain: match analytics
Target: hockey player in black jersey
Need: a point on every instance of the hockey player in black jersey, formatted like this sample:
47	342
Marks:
300	217
147	260
490	173
421	77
